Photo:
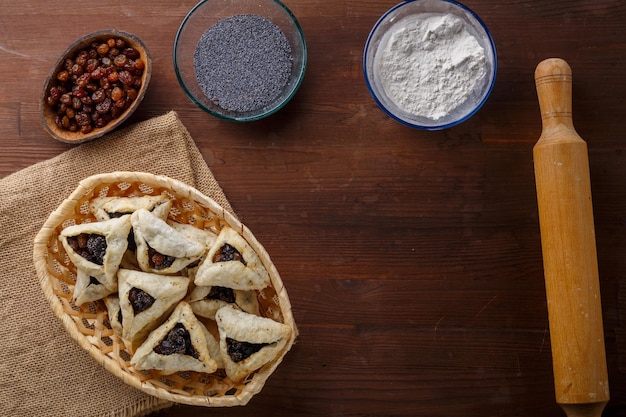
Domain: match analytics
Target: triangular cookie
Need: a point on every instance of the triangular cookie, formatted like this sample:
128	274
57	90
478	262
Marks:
162	249
146	300
105	208
232	263
89	288
97	248
177	345
205	301
202	236
248	342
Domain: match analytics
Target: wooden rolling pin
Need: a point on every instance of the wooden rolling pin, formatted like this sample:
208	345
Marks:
569	249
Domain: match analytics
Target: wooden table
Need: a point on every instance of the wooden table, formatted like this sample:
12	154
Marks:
412	258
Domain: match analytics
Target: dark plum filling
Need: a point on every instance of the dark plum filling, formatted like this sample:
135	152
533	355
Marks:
239	351
139	300
178	340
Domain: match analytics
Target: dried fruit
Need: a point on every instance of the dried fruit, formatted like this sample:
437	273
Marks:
96	85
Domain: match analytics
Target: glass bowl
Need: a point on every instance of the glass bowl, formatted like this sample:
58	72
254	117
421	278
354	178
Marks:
195	49
442	107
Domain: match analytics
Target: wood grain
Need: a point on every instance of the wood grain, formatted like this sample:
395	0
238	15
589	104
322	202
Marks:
413	259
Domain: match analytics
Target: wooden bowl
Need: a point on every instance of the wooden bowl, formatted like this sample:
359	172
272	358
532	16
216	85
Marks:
49	113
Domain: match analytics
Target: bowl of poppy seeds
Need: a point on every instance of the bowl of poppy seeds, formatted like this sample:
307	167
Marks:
240	60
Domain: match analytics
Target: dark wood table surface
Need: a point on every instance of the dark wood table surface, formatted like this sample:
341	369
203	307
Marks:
412	258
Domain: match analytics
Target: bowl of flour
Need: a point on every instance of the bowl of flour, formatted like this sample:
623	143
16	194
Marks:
430	64
240	60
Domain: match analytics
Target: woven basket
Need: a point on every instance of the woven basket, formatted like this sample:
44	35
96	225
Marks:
89	325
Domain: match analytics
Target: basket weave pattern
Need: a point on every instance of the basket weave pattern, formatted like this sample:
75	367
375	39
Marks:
89	324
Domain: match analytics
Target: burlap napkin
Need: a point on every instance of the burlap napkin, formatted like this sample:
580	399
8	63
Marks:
43	372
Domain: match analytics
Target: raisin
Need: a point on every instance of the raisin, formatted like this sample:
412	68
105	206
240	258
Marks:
98	73
126	77
139	300
83	119
120	60
77	102
239	351
158	260
92	64
82	240
228	253
105	84
83	80
78	91
132	53
137	82
66	99
99	121
221	293
63	76
131	94
55	94
90	88
116	111
103	49
117	93
98	96
113	76
130	66
104	106
81	58
178	340
76	69
120	104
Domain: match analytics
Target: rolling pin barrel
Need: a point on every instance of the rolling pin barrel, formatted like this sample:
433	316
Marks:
569	248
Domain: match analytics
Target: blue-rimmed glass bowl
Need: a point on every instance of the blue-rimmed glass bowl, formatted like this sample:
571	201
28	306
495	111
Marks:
377	42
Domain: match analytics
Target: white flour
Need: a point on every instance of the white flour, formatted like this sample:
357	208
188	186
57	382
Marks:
430	65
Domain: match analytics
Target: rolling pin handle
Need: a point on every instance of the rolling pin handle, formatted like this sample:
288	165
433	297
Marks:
553	79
